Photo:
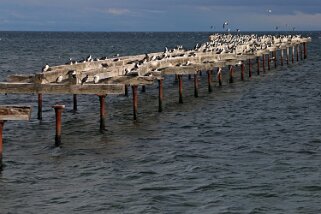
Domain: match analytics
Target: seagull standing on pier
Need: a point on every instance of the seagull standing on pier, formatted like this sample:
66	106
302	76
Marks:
96	79
84	79
45	68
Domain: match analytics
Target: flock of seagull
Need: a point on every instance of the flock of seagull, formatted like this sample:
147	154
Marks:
219	44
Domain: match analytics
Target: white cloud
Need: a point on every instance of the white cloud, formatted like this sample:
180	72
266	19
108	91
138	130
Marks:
117	11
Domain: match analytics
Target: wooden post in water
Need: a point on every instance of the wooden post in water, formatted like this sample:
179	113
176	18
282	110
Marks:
305	50
75	107
250	69
231	72
269	62
297	52
189	77
39	107
180	88
176	78
258	65
209	81
1	144
102	111
242	71
195	85
135	101
160	95
58	111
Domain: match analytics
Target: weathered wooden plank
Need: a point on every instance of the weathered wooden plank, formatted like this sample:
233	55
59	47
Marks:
27	88
130	80
21	78
14	112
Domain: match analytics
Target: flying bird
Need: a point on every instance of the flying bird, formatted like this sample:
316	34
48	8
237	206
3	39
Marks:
225	24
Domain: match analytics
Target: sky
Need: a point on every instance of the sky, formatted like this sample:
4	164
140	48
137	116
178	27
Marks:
159	15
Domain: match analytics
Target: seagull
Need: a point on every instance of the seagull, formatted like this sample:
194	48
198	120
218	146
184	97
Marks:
45	68
96	79
72	74
84	79
59	79
88	58
105	65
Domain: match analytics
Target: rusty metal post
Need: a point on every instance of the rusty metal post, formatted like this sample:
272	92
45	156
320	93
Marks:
231	71
75	102
176	78
250	68
195	85
269	62
274	58
305	50
258	65
160	95
287	55
39	107
58	111
292	54
242	71
102	111
143	88
209	81
126	90
297	52
1	144
281	58
180	88
219	76
263	57
301	51
135	101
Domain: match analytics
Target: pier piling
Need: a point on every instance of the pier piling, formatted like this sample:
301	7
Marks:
209	81
258	65
242	71
281	57
102	111
274	59
263	63
143	88
75	105
195	85
135	101
219	76
126	90
269	62
231	71
160	95
250	69
180	88
1	144
58	112
39	107
305	50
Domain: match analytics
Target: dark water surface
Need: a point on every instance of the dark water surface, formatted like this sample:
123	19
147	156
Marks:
249	147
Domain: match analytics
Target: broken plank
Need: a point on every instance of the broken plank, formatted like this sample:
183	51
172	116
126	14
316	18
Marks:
14	112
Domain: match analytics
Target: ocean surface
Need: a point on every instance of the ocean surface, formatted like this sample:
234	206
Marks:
248	147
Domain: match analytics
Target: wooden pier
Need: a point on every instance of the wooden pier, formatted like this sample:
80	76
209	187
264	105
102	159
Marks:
113	76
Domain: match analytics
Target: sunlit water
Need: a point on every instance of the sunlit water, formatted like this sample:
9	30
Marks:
248	147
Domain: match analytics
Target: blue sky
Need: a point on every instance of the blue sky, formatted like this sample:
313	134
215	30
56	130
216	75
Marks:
159	15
